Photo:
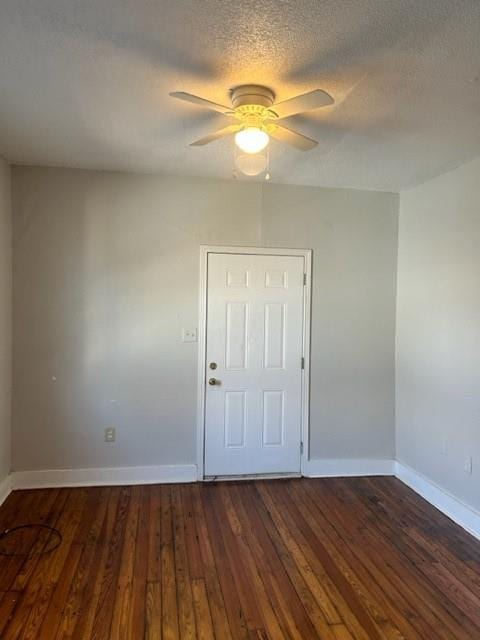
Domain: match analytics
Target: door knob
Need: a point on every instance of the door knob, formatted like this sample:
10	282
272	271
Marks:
213	381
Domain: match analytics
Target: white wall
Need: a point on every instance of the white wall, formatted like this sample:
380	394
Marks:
5	318
353	235
106	275
438	331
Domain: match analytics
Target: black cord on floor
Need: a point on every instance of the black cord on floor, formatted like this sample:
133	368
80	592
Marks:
46	549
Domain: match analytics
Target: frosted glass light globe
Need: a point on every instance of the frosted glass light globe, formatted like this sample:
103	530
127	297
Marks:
251	140
251	164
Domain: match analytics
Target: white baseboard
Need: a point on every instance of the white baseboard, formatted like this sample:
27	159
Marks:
5	488
341	468
104	476
462	514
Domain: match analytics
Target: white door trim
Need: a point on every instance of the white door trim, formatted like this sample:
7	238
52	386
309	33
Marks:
202	336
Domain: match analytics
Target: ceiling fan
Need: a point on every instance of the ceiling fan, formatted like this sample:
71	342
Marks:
257	115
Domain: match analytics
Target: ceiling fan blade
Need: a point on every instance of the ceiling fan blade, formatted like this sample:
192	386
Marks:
297	140
312	100
221	133
201	102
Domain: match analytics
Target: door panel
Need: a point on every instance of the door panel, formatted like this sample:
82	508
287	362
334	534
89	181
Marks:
254	336
274	346
235	418
236	338
273	418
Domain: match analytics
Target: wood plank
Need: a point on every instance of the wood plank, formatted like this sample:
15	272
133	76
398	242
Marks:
272	573
106	597
140	571
234	610
45	568
255	579
90	597
57	599
16	574
368	619
313	579
8	602
88	538
385	587
246	594
186	612
170	630
57	567
191	535
337	559
154	563
153	611
122	609
413	577
286	583
209	569
202	610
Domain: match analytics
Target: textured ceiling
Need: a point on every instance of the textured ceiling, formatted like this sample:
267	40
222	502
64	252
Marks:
85	83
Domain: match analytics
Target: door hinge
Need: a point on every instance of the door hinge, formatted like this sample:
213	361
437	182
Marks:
304	279
301	448
303	362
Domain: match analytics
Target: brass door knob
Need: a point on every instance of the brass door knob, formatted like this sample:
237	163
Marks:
213	381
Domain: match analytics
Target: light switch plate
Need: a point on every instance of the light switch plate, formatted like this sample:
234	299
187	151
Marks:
110	434
189	335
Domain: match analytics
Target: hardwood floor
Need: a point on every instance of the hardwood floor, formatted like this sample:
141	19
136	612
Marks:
334	559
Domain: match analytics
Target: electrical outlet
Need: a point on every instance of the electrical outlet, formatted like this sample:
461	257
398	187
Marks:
110	434
467	464
189	335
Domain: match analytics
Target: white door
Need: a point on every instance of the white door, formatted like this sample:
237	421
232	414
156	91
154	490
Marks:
254	350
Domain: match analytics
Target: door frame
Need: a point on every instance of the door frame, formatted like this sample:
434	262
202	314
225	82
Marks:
306	254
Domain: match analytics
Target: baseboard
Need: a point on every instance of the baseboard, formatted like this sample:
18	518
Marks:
5	488
341	468
462	514
459	512
48	478
104	476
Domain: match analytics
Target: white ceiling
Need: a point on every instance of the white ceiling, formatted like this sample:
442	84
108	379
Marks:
85	83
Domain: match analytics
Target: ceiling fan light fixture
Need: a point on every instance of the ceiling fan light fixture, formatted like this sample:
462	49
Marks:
251	164
252	140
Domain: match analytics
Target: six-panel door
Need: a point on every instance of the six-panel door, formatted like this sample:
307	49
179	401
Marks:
254	354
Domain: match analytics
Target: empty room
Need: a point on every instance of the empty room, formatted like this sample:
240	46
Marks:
239	320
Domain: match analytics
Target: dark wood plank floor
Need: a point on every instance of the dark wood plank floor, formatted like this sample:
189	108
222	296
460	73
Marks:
332	559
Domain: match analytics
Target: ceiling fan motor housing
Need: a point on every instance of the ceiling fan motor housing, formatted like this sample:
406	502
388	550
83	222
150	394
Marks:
252	94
